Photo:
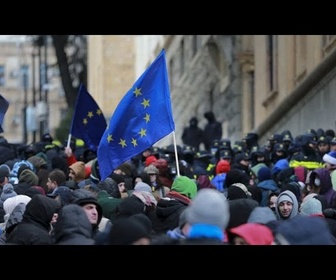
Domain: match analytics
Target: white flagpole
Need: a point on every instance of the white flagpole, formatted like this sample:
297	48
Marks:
69	139
176	156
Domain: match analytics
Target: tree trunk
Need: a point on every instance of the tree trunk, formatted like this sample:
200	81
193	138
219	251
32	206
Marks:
60	42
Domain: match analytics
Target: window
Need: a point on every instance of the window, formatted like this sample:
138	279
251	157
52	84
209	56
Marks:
25	76
182	62
272	52
300	55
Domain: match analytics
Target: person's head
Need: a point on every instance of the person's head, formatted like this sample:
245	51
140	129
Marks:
272	199
185	186
311	206
77	171
287	205
133	230
152	171
62	194
193	122
90	205
120	180
330	160
56	178
4	176
251	234
210	207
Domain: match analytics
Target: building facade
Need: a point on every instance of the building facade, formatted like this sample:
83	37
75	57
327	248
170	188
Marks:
111	70
253	83
30	82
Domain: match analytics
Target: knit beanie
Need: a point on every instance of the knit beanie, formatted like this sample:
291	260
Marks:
264	174
7	192
240	211
261	215
29	177
184	185
236	176
255	169
5	167
130	205
311	206
284	197
37	162
127	230
223	166
65	194
149	160
141	186
208	207
117	177
330	158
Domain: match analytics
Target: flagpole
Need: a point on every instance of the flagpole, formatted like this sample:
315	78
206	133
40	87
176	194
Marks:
176	156
69	139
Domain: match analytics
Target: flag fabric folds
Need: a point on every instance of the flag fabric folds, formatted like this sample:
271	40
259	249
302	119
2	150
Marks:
88	122
142	118
4	104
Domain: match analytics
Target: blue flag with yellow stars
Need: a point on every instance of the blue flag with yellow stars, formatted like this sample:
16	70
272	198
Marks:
88	122
142	118
4	104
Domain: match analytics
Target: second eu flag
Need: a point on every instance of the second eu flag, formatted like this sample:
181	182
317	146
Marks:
142	118
88	122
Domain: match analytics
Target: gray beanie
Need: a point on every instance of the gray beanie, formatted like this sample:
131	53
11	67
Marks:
209	207
261	215
311	206
141	186
7	192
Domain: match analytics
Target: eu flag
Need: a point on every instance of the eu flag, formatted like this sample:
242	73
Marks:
142	118
4	104
88	121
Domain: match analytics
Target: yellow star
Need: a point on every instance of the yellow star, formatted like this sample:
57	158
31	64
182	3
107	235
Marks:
134	142
109	138
137	92
122	143
99	112
145	103
85	121
90	114
147	118
143	132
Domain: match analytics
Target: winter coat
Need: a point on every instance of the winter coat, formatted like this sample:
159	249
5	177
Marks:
35	225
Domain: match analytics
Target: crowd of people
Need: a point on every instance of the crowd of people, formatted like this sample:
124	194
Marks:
241	193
